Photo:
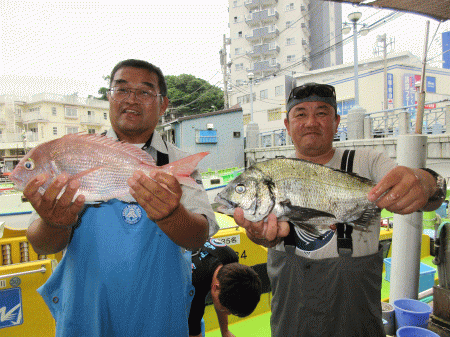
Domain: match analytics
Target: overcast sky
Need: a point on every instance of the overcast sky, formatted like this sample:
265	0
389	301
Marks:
66	46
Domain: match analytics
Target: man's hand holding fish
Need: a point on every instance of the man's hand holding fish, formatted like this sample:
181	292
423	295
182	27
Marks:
267	233
56	214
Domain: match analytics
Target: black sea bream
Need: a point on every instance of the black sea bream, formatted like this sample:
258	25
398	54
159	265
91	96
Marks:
309	195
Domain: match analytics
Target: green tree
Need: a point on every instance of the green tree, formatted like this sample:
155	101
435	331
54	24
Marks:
191	95
103	91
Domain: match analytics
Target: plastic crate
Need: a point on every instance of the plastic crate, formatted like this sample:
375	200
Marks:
426	277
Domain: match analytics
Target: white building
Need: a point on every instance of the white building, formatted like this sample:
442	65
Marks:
27	122
282	37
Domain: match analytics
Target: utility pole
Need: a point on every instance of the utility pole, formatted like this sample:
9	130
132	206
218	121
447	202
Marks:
384	45
223	63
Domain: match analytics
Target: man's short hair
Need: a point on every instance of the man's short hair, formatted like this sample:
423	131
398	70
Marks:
240	288
311	92
142	65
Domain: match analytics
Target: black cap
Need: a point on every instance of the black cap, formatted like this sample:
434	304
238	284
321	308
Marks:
312	92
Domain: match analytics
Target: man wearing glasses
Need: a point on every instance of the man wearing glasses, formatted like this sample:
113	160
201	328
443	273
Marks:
124	272
330	284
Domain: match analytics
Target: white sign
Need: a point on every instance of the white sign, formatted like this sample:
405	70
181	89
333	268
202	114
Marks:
230	240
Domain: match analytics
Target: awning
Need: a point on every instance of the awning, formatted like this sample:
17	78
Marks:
436	9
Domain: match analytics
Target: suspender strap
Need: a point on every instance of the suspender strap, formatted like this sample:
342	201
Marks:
162	158
347	161
344	231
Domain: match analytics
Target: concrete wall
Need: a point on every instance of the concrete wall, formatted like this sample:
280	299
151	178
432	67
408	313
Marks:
438	151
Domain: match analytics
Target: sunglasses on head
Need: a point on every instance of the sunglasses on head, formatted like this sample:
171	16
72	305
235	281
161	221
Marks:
306	90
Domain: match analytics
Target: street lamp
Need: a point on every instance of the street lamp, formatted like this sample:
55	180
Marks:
353	18
250	77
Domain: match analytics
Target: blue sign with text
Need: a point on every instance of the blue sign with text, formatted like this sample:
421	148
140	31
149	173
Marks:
431	84
10	307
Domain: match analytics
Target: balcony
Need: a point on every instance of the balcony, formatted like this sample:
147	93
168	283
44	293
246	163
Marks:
91	120
306	46
267	49
265	33
265	67
266	16
250	4
305	29
18	137
33	117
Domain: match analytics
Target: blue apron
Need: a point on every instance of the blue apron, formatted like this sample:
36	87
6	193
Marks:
121	276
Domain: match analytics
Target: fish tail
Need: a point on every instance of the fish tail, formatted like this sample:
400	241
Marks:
183	168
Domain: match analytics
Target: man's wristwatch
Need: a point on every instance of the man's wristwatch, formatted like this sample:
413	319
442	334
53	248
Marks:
441	192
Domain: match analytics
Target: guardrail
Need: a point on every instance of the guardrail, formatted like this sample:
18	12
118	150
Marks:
380	124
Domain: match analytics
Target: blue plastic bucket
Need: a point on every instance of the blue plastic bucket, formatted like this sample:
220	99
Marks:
414	331
409	312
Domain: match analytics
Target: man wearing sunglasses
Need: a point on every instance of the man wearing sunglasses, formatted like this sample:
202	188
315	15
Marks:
125	271
330	284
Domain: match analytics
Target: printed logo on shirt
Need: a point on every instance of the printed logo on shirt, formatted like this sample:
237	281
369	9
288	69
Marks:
10	308
310	242
132	214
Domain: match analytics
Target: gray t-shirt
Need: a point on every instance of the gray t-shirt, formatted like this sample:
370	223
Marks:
369	164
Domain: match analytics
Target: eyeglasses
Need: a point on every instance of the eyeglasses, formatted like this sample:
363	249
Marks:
143	96
306	90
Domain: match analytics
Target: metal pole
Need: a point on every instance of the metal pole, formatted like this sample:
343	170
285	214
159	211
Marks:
421	100
383	39
223	60
355	61
251	99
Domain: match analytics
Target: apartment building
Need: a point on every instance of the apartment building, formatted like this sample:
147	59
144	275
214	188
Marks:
403	73
282	37
28	122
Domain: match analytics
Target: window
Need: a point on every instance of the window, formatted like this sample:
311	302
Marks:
288	24
279	90
290	58
240	34
38	109
206	136
236	19
55	131
274	114
240	99
236	134
53	111
91	131
290	41
239	82
235	3
263	94
290	7
239	66
71	129
71	112
246	119
237	51
90	113
105	115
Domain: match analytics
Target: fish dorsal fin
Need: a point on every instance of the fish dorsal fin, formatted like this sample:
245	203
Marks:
121	146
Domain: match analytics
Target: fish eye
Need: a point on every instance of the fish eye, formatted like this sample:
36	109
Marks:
29	165
240	189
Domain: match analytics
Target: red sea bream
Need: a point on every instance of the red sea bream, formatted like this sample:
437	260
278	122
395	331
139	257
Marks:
101	164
